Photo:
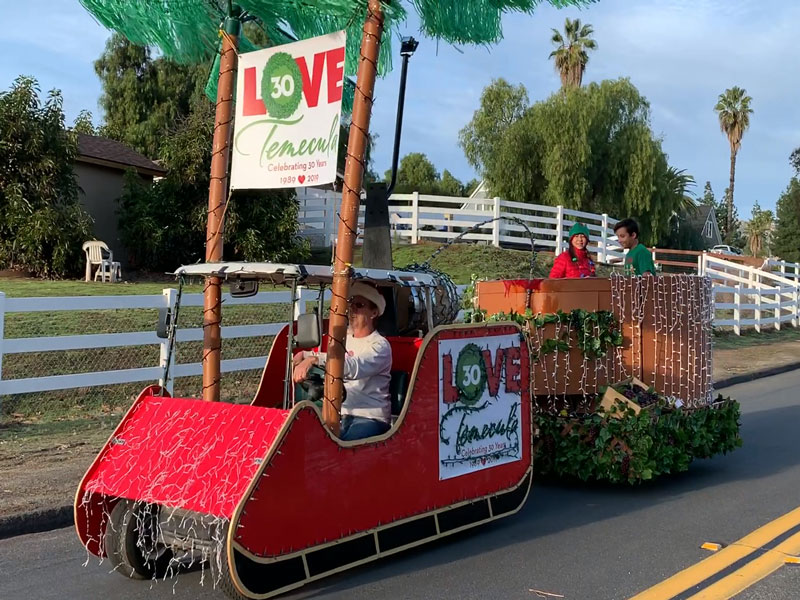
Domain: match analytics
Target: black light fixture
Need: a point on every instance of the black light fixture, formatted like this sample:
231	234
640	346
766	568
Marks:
408	46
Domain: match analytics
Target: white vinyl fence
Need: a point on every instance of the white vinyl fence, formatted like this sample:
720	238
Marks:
416	217
751	297
97	372
115	339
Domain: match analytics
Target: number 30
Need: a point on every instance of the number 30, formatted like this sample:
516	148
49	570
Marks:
472	375
282	86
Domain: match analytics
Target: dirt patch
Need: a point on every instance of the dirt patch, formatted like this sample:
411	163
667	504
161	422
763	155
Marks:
41	464
729	362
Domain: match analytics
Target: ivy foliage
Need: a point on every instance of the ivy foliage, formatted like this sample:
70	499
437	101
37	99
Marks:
594	332
42	224
635	447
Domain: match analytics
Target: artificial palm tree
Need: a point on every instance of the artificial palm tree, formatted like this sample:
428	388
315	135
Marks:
733	109
571	54
190	31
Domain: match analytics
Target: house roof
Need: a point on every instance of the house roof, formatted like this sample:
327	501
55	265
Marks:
111	153
699	215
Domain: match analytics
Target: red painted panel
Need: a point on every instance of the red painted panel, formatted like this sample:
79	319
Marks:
315	490
186	453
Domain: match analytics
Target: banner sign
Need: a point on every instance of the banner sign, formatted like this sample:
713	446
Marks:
480	403
289	100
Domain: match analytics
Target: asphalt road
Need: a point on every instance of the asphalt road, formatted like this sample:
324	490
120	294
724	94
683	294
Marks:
583	542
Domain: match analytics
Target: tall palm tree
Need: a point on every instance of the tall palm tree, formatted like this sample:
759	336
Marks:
733	109
571	54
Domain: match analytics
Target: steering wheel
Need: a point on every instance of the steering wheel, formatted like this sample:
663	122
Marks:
314	385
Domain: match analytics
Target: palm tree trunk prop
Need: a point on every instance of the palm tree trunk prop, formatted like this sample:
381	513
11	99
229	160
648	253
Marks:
217	200
188	32
348	213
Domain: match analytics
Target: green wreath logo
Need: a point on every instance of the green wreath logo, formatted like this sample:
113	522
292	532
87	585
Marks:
281	86
470	374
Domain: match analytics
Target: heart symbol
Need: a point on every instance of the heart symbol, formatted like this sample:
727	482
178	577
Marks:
483	461
301	178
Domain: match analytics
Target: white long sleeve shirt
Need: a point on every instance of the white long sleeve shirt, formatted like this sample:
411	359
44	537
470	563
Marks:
367	372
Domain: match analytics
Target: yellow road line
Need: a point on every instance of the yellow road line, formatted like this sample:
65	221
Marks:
693	575
754	571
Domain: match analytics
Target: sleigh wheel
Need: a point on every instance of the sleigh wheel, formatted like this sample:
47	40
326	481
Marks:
131	541
221	573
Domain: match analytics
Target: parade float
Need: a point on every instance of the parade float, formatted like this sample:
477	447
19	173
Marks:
265	494
621	374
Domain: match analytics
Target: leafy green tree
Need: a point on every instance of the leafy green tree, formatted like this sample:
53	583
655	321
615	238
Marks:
144	97
590	149
416	173
164	225
501	105
794	160
42	224
708	195
449	185
571	54
759	230
733	110
787	229
84	123
471	186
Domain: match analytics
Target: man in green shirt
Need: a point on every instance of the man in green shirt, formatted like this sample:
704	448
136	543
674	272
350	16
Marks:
638	260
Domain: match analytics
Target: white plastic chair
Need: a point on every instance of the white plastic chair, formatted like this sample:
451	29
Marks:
99	255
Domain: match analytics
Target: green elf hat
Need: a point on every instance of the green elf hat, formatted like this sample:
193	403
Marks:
577	229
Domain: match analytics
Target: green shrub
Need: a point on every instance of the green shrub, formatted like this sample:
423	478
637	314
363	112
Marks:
42	224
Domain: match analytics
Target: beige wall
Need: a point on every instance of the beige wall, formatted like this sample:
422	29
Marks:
100	188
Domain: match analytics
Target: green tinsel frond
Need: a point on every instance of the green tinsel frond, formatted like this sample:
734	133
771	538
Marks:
187	30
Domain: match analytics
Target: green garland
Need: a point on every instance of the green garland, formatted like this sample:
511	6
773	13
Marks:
596	332
635	448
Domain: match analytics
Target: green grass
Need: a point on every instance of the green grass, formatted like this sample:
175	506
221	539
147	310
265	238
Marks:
726	340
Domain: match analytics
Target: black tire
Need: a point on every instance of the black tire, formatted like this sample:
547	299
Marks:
130	541
221	573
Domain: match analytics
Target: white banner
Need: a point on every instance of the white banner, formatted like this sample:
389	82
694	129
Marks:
289	101
480	403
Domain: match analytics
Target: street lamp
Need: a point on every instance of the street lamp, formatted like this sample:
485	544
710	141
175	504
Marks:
408	46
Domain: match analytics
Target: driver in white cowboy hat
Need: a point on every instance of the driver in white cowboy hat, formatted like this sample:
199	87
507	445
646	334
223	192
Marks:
366	411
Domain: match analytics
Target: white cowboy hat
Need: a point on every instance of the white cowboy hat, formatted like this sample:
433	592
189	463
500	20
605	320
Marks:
370	293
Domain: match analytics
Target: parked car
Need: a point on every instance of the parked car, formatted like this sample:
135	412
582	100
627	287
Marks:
726	249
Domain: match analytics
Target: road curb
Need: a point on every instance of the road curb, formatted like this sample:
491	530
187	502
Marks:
56	518
36	521
745	377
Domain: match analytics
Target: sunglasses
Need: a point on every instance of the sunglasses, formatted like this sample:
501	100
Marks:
358	304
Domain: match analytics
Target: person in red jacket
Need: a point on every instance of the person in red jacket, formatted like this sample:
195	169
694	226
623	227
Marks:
575	263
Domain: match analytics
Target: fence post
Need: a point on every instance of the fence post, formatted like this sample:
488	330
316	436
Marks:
559	228
415	217
795	310
778	311
737	302
604	240
170	298
496	223
2	328
700	263
757	310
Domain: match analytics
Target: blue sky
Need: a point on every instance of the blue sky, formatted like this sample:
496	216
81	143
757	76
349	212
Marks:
680	54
